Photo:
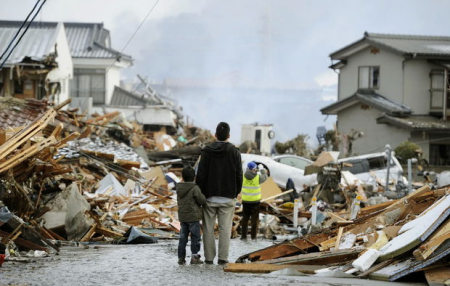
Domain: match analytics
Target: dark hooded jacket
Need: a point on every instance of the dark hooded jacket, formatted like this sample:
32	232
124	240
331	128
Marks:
190	198
220	170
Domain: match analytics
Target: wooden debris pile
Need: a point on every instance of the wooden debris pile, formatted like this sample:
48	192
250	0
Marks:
387	242
65	179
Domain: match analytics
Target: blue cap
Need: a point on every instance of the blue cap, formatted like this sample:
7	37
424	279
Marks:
251	165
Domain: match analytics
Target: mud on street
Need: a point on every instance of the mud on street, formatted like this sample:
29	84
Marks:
154	264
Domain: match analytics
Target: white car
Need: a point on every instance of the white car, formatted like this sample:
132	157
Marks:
283	167
365	167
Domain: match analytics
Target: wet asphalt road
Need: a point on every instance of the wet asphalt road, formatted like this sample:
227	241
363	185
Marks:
153	264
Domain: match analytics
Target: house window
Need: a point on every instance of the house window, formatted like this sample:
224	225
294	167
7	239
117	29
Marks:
369	77
439	154
89	83
437	89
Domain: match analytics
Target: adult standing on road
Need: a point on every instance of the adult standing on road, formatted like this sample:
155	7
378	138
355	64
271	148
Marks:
219	176
251	198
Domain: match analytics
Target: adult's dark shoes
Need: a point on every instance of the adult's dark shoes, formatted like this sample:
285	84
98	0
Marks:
209	262
222	262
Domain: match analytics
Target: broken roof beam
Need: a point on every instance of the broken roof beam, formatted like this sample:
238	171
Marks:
25	134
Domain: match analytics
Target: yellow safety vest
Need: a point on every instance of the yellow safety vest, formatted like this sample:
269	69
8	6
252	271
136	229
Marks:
251	190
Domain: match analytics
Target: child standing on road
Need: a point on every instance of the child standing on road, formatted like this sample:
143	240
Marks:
190	199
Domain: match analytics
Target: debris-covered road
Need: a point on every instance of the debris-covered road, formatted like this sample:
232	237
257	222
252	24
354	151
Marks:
153	264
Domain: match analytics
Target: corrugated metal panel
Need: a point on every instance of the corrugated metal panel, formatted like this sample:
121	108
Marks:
36	43
151	115
123	97
80	37
84	43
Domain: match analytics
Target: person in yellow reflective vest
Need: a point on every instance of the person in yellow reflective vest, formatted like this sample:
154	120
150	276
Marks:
251	198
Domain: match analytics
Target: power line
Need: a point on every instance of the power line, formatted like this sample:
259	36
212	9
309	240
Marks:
18	31
131	38
23	34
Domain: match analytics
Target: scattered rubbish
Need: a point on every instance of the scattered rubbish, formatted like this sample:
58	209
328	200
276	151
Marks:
71	180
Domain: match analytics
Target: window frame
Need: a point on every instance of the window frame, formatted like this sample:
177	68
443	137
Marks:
77	73
370	81
434	91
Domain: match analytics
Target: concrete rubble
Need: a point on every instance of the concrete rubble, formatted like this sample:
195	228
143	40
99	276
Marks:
71	180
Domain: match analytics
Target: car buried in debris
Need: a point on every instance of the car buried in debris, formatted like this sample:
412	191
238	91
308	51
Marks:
283	167
373	166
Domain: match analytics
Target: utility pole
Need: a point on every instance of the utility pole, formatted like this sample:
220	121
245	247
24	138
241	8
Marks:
388	155
444	107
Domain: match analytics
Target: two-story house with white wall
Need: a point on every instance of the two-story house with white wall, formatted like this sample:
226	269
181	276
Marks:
395	88
96	64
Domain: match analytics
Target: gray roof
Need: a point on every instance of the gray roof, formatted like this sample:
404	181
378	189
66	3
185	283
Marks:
428	46
149	115
122	97
35	44
90	40
370	98
408	44
86	40
416	123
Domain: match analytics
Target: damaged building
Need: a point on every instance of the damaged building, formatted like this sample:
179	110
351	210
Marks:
40	66
395	87
78	57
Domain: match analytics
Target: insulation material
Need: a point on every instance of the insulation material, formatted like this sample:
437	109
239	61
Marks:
110	186
365	261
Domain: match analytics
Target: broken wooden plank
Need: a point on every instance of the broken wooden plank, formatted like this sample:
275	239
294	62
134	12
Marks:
267	268
89	233
54	234
128	164
338	238
23	242
433	242
25	154
418	230
62	104
292	247
40	236
376	268
21	137
335	257
8	238
107	232
327	244
163	224
277	195
438	276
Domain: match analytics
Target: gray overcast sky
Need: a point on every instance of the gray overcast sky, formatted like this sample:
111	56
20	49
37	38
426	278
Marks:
207	39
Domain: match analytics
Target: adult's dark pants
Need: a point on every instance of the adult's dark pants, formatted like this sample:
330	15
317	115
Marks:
187	228
250	211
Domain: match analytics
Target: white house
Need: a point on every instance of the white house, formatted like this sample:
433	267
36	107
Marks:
84	63
40	66
96	64
395	88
